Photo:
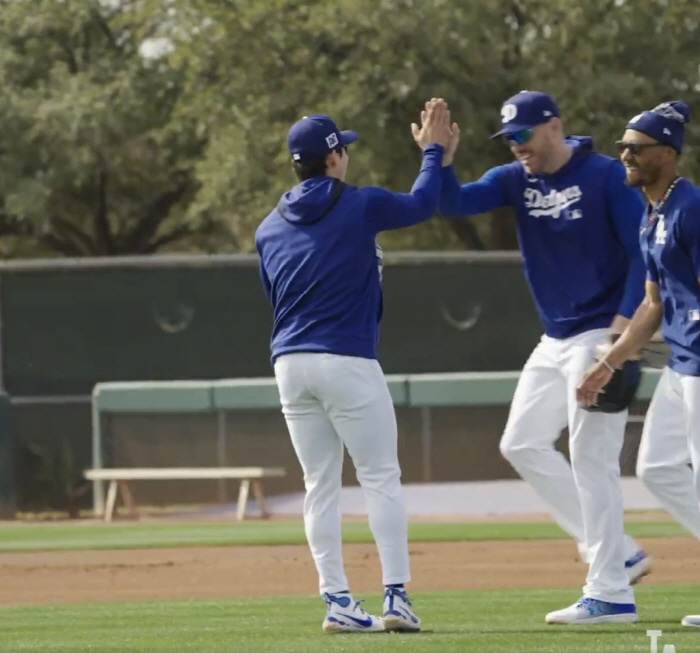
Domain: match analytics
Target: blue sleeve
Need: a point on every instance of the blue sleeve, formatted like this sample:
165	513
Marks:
476	197
387	210
652	272
626	207
690	234
267	286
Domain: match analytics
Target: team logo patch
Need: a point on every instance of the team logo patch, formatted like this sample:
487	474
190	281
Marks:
508	112
555	204
661	231
332	140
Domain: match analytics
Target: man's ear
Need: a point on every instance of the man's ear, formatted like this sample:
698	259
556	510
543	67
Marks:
332	160
557	126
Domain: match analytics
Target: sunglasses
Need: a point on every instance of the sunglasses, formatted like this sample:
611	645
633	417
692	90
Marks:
520	137
634	148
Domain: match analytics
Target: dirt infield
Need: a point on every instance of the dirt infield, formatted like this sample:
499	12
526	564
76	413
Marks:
247	571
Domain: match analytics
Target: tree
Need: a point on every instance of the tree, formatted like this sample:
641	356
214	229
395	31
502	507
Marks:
94	161
108	151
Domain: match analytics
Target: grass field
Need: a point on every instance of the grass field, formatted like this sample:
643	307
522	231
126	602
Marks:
91	535
503	621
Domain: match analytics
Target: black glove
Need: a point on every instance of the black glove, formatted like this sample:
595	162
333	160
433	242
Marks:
620	391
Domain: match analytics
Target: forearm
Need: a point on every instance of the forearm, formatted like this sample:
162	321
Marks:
619	324
472	198
639	331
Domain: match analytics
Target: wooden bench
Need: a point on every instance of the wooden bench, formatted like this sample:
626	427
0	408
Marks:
119	479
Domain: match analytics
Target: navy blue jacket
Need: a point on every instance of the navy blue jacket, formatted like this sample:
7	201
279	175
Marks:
578	230
320	263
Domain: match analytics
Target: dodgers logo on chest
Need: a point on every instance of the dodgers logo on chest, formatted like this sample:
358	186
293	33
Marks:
554	204
660	233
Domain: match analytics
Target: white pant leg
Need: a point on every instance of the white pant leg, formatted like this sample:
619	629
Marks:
595	445
320	454
356	397
538	413
691	402
664	454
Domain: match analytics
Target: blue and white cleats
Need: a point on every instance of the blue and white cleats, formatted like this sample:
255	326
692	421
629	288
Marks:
398	615
691	621
594	611
638	566
344	615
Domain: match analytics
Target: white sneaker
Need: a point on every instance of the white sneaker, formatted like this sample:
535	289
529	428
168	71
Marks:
638	566
344	615
594	611
692	620
398	615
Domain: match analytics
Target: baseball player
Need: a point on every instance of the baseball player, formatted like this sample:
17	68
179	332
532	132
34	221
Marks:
670	240
578	226
321	270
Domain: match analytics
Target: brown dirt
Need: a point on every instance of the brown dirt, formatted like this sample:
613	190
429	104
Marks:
247	571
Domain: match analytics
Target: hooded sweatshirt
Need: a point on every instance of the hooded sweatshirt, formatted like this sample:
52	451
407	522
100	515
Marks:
321	266
578	231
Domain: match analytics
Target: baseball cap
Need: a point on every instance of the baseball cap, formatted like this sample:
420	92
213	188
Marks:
526	110
315	136
664	123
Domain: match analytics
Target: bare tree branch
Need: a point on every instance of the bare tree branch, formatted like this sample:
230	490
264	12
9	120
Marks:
65	247
178	233
154	215
66	231
467	233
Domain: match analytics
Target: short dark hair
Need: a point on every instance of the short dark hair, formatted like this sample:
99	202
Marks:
314	167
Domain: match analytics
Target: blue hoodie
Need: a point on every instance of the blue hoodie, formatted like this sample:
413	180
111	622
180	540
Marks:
578	230
320	263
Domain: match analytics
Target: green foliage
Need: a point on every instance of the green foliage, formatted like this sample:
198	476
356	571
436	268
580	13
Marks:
108	150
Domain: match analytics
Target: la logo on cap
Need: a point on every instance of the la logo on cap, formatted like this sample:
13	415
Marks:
508	112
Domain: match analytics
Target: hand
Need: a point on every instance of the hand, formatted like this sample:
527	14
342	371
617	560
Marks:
435	128
593	381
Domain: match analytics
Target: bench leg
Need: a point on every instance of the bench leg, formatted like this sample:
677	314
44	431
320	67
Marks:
243	499
111	500
128	499
258	494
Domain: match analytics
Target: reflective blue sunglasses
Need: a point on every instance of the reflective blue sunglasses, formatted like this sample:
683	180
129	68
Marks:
520	137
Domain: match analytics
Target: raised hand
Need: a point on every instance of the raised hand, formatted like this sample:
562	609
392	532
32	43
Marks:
436	128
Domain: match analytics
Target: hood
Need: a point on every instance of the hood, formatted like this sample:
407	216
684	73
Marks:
310	200
581	145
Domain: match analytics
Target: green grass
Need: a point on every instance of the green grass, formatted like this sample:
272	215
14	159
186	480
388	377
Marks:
510	621
51	536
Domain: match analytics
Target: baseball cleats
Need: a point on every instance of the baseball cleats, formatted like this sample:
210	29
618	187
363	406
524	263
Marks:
692	620
344	615
638	566
398	615
594	611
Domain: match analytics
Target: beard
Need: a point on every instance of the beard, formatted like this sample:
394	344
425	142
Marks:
642	177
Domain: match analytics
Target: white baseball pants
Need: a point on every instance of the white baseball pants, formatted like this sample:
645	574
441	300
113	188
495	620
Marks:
332	401
585	497
670	442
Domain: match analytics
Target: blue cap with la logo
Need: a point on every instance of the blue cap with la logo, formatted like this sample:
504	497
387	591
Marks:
526	110
315	136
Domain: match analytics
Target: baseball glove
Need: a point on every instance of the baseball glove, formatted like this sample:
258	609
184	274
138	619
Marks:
620	391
